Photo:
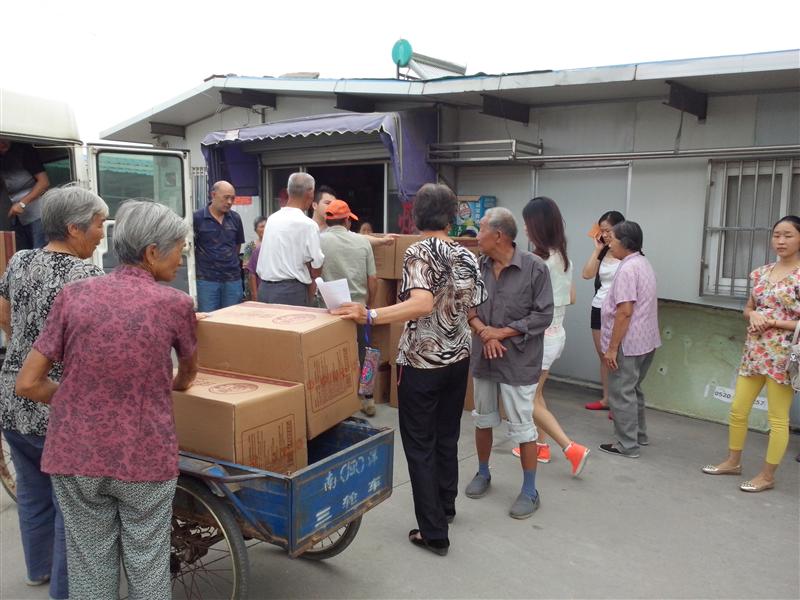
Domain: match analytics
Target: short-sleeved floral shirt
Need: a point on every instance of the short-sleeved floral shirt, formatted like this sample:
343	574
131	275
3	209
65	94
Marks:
112	413
30	284
766	353
450	272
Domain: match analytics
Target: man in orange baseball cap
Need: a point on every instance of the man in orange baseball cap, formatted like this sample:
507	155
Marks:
349	256
339	209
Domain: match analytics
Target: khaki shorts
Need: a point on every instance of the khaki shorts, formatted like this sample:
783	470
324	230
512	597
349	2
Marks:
517	402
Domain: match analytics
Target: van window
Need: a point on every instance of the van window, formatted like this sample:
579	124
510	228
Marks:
59	171
125	175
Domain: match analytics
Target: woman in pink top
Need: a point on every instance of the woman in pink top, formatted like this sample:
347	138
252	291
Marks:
629	337
111	447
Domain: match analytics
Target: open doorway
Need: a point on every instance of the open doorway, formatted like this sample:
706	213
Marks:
361	186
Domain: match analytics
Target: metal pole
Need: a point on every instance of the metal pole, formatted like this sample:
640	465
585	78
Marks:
723	210
753	234
703	264
736	233
771	202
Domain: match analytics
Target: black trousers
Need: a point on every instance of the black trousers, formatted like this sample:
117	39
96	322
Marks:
431	402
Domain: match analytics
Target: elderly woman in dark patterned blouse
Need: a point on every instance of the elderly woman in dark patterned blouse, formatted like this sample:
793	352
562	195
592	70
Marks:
111	447
441	283
72	219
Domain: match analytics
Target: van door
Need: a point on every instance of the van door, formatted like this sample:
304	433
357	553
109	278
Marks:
118	173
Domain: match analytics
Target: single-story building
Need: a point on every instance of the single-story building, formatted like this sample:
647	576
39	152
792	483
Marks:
703	153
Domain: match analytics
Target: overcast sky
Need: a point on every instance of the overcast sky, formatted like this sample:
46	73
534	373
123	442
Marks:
114	60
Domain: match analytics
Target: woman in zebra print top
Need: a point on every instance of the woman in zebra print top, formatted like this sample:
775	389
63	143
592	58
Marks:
441	283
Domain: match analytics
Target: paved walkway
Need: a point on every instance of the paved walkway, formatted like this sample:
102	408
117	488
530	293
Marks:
649	528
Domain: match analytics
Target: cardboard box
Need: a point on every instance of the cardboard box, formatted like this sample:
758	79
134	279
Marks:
386	294
251	421
389	259
8	246
469	399
393	386
470	243
290	343
386	338
384	259
471	209
382	382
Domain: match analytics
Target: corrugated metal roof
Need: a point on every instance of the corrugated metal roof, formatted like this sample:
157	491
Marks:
714	75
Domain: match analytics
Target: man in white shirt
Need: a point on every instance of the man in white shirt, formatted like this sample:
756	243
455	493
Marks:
290	256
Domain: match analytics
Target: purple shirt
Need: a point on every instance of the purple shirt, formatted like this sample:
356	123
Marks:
635	281
112	413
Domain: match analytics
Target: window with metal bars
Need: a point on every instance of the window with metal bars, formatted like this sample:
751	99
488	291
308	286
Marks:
743	200
200	186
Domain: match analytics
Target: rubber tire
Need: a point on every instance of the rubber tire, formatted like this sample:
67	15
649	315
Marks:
9	483
230	529
338	546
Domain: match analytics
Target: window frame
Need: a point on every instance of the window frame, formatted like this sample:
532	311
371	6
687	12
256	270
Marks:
713	283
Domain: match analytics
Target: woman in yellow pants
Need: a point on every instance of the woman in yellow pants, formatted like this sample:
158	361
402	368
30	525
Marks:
772	311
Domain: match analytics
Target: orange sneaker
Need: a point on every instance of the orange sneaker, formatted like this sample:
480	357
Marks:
543	453
576	455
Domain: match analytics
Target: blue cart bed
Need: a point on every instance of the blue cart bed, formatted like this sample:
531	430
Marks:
349	472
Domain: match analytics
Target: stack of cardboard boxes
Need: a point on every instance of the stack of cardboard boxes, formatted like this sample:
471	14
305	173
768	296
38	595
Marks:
389	269
271	378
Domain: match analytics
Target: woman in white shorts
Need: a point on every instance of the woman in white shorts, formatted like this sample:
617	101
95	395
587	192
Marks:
545	227
601	266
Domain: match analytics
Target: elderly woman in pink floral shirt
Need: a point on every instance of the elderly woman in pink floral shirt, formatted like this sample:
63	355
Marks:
111	446
629	337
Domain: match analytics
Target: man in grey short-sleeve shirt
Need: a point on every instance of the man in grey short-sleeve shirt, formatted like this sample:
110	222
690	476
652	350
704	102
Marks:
507	350
349	256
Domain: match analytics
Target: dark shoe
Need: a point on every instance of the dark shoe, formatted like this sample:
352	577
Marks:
524	506
643	440
450	517
478	487
439	547
614	449
797	458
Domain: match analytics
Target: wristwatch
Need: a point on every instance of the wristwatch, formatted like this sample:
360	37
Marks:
22	204
373	314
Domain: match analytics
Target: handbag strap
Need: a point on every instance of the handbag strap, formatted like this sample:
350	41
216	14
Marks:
796	333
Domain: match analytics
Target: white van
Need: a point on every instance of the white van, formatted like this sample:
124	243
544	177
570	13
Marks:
114	172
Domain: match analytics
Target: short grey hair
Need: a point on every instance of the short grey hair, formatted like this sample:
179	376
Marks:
69	205
141	223
299	185
501	219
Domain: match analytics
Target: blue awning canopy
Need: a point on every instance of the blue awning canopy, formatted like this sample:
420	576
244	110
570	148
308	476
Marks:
405	134
328	124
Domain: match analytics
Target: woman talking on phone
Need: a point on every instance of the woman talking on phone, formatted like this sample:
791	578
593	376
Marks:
601	266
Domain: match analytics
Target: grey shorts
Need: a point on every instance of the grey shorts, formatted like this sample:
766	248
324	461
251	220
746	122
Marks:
517	403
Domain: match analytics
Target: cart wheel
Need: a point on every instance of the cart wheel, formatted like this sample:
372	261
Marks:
208	558
8	474
335	543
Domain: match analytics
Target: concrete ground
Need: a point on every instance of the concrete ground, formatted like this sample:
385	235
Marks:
655	527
